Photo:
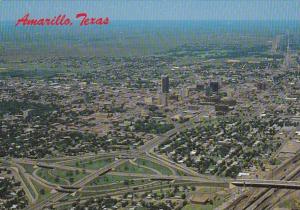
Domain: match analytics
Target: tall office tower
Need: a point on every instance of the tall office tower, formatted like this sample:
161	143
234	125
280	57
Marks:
164	99
287	59
184	93
214	86
165	84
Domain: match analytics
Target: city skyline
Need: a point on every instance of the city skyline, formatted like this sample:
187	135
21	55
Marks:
151	104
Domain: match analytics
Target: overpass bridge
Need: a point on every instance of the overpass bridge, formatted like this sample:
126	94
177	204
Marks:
257	183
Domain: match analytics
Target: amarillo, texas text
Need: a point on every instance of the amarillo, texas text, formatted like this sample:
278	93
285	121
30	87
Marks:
62	20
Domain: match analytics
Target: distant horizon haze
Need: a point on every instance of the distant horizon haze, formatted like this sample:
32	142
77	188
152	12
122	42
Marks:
258	10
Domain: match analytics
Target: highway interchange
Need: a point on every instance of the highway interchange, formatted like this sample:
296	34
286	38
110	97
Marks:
252	199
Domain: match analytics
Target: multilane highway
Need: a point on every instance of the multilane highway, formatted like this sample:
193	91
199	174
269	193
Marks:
145	150
257	199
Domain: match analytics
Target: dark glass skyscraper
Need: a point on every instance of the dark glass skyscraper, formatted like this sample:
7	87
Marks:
165	84
214	86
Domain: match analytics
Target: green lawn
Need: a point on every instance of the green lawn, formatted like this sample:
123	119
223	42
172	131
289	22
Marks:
57	176
45	174
217	202
199	207
28	168
71	176
192	207
130	168
91	164
164	170
107	179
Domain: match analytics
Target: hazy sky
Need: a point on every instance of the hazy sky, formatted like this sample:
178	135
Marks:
156	9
